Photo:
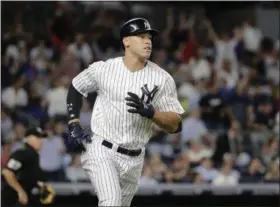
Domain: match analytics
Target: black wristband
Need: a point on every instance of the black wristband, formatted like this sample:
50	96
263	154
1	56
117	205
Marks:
74	103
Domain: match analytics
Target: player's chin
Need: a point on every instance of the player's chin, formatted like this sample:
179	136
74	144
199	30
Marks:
146	54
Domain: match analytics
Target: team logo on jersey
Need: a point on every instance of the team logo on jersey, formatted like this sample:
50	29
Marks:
148	95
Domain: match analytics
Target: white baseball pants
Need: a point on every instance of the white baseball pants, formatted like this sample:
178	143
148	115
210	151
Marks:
114	176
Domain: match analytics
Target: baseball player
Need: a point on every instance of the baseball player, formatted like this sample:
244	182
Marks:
133	93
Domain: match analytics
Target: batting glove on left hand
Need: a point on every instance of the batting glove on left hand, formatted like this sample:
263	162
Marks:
139	106
78	136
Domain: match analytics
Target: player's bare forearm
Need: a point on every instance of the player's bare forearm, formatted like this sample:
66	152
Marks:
73	120
167	120
11	180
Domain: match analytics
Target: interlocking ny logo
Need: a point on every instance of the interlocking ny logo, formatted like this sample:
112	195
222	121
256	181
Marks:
147	25
148	95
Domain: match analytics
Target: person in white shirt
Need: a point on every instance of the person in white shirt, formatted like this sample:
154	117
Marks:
252	37
197	152
16	136
6	124
75	172
81	50
40	55
206	170
228	73
51	157
56	98
191	92
147	177
193	128
225	177
200	67
225	46
15	95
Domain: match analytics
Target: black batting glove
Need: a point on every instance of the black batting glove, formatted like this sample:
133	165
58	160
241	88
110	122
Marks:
139	106
77	136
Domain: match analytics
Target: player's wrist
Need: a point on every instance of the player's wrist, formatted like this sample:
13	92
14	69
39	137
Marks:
20	190
150	112
74	121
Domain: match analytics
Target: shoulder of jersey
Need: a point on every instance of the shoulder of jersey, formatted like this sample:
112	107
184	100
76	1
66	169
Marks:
158	69
107	62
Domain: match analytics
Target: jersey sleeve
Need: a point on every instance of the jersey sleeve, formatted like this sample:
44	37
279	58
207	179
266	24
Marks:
87	81
168	100
16	161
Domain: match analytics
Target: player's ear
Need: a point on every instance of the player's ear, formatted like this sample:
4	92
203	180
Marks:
126	42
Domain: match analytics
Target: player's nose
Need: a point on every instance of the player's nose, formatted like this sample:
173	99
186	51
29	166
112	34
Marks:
148	43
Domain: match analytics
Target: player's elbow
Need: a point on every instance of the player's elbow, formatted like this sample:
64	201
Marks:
175	126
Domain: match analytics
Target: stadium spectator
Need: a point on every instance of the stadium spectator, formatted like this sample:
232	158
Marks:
269	150
15	96
6	124
16	136
199	66
6	150
81	49
51	155
193	128
40	56
157	166
216	113
147	177
75	173
206	170
197	151
254	173
227	74
252	36
228	142
225	176
56	98
273	174
181	170
277	123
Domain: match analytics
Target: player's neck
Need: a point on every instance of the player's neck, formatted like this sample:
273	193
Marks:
31	144
132	63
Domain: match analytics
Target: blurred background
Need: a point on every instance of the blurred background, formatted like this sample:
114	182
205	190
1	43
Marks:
224	57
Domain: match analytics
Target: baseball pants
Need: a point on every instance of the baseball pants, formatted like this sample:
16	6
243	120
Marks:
114	176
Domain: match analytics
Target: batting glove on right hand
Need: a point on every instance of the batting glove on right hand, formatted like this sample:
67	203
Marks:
78	135
139	106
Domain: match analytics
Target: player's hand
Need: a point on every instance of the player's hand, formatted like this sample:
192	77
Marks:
139	106
78	135
22	197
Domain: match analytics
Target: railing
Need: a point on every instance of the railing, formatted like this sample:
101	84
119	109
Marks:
177	189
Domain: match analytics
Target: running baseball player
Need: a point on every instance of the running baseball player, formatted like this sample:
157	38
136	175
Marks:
133	93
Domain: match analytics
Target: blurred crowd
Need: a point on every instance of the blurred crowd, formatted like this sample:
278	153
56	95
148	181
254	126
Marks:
228	83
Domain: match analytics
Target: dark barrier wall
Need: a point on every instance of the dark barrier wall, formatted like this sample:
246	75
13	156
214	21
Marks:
168	200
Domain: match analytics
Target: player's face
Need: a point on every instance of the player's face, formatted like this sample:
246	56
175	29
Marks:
38	143
141	45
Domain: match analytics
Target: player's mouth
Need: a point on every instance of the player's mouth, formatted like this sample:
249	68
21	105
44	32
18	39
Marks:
148	49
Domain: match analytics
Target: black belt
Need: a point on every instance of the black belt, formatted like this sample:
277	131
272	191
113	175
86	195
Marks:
132	153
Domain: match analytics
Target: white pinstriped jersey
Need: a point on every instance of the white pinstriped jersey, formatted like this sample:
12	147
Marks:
112	80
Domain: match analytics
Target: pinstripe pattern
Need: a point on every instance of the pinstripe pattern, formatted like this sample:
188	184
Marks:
115	176
113	80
